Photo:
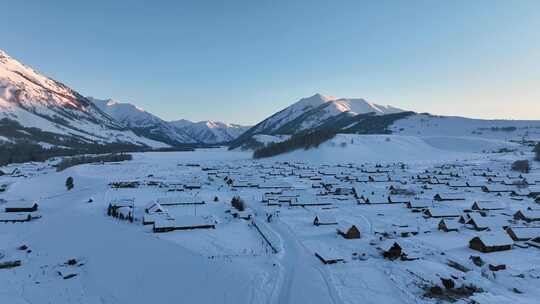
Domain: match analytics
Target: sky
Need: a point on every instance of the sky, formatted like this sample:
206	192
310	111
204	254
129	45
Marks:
241	61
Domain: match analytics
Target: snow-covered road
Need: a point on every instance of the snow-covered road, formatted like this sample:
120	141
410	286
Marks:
303	276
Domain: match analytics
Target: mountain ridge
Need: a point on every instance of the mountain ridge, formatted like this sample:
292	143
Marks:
312	112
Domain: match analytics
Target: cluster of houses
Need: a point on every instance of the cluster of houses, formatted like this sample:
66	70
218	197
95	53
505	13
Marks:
493	207
500	206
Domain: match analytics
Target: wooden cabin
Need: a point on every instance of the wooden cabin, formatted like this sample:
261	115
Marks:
392	250
487	206
477	222
324	219
348	230
13	217
150	219
20	206
418	205
186	222
192	185
457	184
379	198
491	243
328	256
447	225
154	207
306	201
497	189
527	215
534	242
523	233
180	200
341	190
398	199
442	213
439	197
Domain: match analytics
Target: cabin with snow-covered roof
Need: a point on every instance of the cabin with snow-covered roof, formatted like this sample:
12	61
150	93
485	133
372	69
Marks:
448	197
348	230
180	200
185	222
487	206
442	213
480	223
448	225
308	200
154	207
523	233
492	188
491	243
527	215
20	206
399	199
328	255
418	205
15	217
324	219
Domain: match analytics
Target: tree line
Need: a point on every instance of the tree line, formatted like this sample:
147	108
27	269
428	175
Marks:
89	159
296	142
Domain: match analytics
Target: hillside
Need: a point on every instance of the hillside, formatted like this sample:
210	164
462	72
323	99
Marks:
432	125
393	148
29	99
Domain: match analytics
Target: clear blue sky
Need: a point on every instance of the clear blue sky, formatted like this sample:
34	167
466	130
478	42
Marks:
239	61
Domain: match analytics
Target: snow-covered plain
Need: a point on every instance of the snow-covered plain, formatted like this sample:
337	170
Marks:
269	258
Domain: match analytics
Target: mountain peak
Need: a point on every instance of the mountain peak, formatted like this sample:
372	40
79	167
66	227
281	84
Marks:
4	55
319	97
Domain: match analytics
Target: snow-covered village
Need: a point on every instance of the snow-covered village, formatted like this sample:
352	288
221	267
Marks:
180	152
280	231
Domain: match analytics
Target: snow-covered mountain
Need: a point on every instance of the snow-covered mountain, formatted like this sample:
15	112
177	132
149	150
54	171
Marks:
210	131
176	132
315	111
143	123
37	108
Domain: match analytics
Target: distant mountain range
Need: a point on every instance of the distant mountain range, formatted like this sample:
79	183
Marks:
174	132
37	109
